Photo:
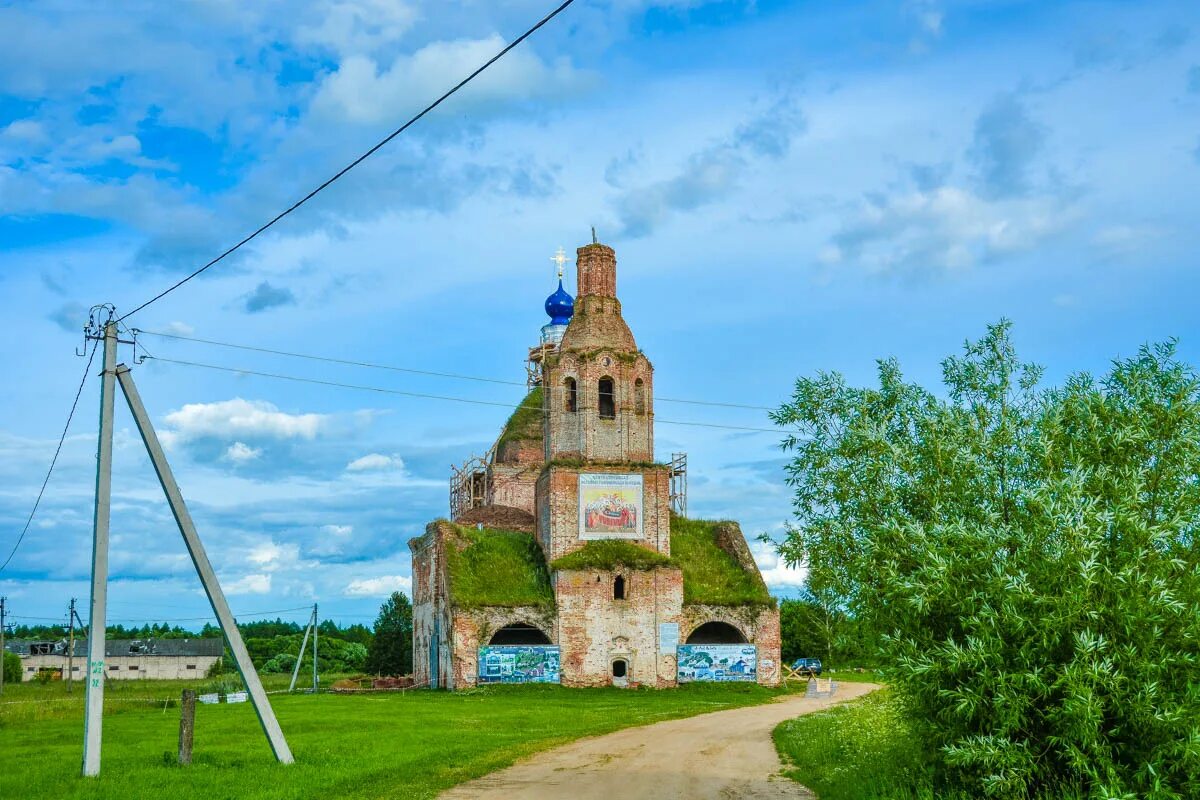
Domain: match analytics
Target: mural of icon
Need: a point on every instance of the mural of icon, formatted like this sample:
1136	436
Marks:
610	506
519	664
717	662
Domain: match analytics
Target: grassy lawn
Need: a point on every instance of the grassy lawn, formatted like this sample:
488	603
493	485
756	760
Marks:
858	751
391	745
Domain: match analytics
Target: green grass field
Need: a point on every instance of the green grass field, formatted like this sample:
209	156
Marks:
862	750
392	745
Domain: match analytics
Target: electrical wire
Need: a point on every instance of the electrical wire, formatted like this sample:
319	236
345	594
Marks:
381	390
370	365
176	619
53	461
356	161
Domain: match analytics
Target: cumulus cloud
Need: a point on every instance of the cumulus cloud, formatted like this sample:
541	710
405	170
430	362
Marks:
265	296
942	230
240	453
249	584
179	329
375	461
381	586
713	173
338	530
361	91
775	571
70	317
357	26
239	419
270	556
1007	142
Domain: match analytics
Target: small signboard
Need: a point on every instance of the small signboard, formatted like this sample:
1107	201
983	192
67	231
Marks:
519	664
668	637
717	662
236	697
209	699
610	506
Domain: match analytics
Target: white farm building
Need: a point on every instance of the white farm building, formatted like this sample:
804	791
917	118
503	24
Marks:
124	659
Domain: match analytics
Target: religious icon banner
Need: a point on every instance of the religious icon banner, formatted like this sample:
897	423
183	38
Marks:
610	506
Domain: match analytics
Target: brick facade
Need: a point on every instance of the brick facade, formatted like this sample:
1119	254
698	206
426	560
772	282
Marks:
598	418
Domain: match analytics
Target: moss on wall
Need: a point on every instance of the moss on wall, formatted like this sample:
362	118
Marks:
609	554
497	568
711	574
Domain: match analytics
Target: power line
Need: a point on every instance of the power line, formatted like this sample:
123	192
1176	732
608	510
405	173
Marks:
70	415
381	390
390	368
147	620
356	161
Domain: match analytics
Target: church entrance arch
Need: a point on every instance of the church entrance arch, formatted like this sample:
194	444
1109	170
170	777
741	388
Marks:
519	633
716	633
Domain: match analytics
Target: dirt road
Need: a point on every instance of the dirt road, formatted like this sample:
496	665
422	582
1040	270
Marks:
726	755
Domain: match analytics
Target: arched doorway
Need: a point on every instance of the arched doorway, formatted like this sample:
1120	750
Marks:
716	633
519	633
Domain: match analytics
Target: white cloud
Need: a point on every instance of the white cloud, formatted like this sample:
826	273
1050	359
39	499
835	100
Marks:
358	26
179	329
945	229
375	461
241	418
775	571
240	453
271	556
359	91
338	530
382	586
249	584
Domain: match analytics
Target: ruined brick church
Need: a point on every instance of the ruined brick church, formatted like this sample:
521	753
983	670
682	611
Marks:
563	560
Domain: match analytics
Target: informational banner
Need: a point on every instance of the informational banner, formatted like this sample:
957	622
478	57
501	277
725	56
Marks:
236	697
519	663
209	699
716	662
668	637
610	506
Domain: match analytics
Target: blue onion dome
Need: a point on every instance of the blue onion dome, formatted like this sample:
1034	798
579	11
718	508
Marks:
560	306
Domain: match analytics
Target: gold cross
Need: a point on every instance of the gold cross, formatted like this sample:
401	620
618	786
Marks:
559	258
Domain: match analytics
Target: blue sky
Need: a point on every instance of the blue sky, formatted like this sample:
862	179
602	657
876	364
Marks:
790	187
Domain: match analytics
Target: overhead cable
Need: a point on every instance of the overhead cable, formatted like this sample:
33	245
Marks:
54	460
381	390
409	370
355	162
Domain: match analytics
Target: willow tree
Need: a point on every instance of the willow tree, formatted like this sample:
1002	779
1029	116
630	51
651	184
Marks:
1027	557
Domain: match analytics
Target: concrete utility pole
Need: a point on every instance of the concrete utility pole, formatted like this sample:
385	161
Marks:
208	577
2	651
71	646
307	630
97	620
316	680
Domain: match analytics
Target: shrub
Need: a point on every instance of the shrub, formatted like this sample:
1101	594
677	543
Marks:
1028	555
12	668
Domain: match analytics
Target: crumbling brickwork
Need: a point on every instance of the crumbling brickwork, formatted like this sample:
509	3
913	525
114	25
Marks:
558	507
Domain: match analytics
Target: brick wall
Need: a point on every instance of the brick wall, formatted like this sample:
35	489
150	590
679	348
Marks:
594	629
759	625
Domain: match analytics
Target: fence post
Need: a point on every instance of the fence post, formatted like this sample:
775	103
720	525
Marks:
187	724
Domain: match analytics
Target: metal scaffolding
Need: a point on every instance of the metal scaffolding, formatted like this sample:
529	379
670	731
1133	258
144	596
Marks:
678	491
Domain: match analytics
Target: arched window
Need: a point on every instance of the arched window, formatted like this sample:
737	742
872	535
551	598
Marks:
619	588
570	395
519	633
716	633
608	399
639	396
619	668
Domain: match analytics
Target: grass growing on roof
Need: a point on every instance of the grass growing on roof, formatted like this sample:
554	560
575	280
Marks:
498	568
609	554
525	422
710	574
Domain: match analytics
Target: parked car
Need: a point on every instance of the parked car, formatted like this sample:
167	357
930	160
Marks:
806	665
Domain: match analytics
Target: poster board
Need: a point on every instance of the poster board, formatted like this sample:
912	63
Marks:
610	506
537	663
719	663
668	638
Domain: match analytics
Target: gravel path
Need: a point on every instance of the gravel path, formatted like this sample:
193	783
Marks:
719	756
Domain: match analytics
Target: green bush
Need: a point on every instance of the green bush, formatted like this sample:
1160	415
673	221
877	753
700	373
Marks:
12	668
1029	557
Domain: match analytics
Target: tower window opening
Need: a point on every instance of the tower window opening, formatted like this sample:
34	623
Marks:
639	396
608	400
571	394
619	588
619	668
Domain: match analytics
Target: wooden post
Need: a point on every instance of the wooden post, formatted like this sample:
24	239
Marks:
187	724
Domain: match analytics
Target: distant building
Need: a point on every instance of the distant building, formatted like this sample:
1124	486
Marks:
124	659
564	560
